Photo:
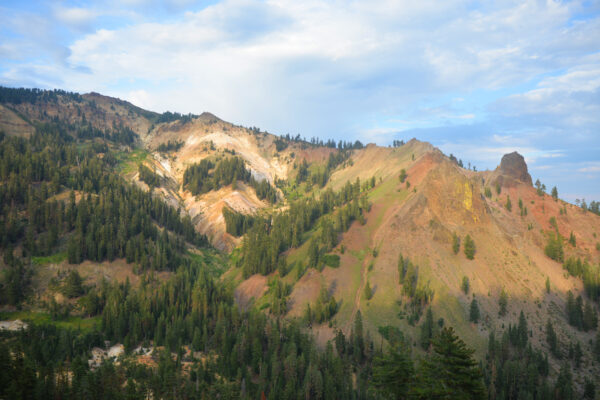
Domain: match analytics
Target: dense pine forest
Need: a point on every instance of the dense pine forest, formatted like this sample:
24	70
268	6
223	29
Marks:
61	194
206	176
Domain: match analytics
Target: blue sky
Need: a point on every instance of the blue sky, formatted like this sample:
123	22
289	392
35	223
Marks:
477	79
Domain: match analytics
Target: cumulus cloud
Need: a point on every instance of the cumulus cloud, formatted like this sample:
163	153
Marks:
488	77
568	100
75	17
388	54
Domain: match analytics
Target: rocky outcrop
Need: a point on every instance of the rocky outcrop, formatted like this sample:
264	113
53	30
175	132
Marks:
513	167
13	326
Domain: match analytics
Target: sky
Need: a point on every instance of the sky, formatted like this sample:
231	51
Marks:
476	79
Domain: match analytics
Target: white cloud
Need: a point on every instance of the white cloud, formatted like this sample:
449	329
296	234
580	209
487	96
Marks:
77	17
376	57
568	100
590	168
336	69
141	98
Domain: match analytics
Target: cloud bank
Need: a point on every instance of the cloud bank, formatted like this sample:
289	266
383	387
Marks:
476	79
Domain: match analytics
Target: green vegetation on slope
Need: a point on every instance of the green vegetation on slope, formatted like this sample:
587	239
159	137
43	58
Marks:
206	176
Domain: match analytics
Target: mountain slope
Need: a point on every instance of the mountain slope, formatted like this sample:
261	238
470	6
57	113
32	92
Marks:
421	204
419	223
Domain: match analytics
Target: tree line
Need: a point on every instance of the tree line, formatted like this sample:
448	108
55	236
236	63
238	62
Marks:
26	95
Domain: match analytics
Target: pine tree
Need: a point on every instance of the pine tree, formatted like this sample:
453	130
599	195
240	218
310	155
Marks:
197	340
551	339
393	373
589	391
469	247
554	248
555	193
503	303
522	330
368	291
575	310
508	204
590	319
450	372
313	254
427	329
402	175
474	312
572	240
521	206
577	354
465	285
563	387
358	341
73	285
455	243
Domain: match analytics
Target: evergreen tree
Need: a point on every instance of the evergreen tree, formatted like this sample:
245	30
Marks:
402	175
474	312
572	240
555	193
73	285
503	303
357	338
148	176
427	329
563	388
469	247
589	389
554	248
465	285
552	339
577	354
450	372
575	310
393	373
455	243
368	291
590	318
522	330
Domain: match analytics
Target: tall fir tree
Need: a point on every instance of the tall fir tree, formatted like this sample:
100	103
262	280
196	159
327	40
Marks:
450	372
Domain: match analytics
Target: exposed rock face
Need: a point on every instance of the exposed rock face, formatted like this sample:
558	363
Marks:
513	165
13	326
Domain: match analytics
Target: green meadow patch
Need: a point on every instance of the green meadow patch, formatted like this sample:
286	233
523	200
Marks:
52	259
40	318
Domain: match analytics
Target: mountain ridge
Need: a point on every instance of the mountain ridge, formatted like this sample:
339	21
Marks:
420	204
